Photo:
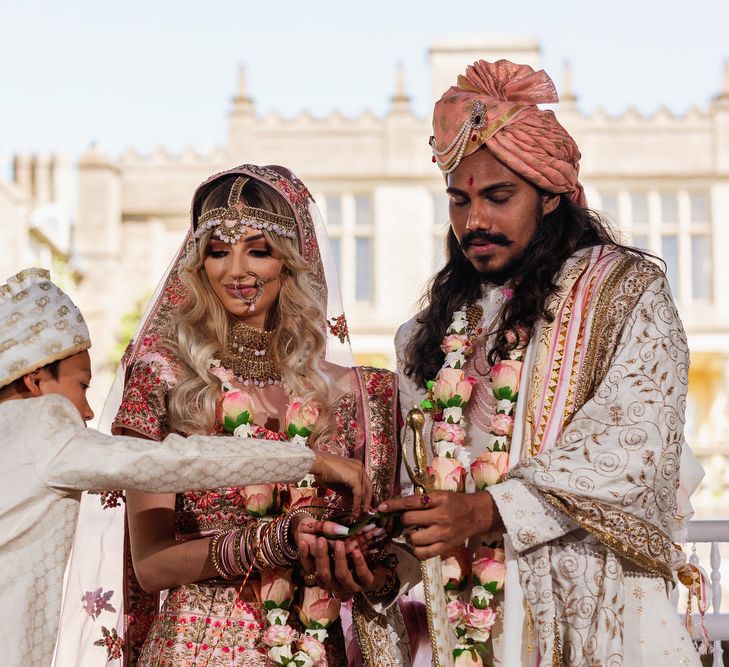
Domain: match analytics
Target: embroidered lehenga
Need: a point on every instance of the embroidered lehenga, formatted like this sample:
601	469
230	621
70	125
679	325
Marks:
208	622
219	622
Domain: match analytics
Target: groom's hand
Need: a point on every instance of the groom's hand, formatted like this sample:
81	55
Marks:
446	521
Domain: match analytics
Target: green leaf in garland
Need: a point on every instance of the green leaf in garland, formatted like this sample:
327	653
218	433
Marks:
427	404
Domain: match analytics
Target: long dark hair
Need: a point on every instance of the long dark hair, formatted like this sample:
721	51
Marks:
559	234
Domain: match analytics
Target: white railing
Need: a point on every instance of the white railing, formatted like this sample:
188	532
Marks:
717	623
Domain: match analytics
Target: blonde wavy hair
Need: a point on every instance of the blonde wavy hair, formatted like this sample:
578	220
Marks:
200	332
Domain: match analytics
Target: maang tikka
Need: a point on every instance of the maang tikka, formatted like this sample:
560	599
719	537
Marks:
231	221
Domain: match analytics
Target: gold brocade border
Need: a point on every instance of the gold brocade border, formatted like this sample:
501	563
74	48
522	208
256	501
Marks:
431	611
493	127
542	361
373	635
618	295
379	400
626	535
557	653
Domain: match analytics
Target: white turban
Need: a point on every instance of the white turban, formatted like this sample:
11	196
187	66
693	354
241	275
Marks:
39	324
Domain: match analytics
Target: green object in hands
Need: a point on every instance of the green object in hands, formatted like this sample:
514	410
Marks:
378	518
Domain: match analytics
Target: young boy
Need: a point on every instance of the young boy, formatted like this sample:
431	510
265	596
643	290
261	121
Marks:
48	457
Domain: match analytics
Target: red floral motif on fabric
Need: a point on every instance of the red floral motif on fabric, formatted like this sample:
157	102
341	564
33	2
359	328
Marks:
112	642
338	327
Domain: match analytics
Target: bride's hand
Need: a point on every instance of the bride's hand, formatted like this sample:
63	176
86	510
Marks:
332	471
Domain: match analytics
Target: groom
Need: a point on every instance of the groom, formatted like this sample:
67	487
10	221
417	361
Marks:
558	355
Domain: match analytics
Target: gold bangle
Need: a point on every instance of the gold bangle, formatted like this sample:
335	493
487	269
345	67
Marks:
215	556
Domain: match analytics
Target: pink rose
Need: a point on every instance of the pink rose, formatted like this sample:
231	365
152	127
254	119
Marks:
313	648
449	432
479	622
455	569
456	611
237	409
452	388
455	342
303	495
278	635
489	573
502	424
318	607
259	498
489	468
276	587
300	418
519	335
223	374
494	554
468	658
449	474
505	379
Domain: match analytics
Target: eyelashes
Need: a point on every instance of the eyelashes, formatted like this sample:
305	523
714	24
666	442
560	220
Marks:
219	254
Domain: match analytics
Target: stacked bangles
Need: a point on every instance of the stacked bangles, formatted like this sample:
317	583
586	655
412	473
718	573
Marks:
262	544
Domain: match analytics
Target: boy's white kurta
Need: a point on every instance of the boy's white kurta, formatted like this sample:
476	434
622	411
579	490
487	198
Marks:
590	503
48	457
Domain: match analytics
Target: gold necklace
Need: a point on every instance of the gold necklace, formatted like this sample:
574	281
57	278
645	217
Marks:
250	357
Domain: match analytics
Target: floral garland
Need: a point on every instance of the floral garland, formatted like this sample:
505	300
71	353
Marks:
471	613
317	608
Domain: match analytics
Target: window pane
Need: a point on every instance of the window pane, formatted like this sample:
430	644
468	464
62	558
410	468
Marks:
701	273
669	208
363	276
610	205
641	241
669	253
639	206
336	244
363	210
699	206
334	211
440	210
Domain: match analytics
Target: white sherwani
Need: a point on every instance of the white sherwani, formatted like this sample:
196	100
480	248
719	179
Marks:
590	501
48	457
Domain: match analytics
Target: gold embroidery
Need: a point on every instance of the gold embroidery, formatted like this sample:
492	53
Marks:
618	295
373	635
625	534
557	656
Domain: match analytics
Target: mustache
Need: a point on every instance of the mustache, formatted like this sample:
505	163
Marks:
482	235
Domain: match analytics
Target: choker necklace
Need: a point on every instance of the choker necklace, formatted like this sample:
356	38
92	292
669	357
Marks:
249	356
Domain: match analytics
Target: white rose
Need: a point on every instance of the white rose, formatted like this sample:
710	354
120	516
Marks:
281	655
477	635
307	481
243	431
277	616
480	596
446	448
497	442
318	633
452	415
460	323
504	405
455	359
302	659
299	439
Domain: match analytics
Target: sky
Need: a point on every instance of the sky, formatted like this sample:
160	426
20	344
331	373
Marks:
159	73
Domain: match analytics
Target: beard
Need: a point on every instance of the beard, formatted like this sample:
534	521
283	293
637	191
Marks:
513	265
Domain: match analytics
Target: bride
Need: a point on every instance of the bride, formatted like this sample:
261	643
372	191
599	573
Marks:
242	338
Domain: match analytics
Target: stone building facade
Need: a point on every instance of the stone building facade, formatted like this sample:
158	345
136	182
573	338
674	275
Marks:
663	179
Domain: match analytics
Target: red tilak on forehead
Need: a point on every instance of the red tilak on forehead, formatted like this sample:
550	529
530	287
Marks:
470	181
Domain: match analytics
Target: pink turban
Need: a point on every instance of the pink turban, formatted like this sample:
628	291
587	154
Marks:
495	104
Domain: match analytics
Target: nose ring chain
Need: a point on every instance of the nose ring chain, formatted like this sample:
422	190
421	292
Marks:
260	285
